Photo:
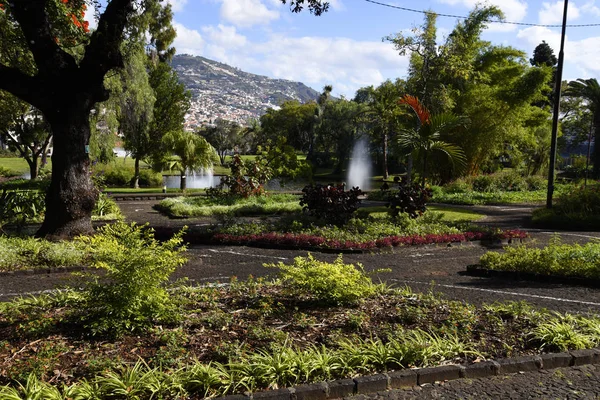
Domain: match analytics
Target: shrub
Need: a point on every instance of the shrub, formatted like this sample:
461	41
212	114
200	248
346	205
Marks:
8	173
555	259
131	294
510	182
106	208
578	208
410	199
331	203
28	253
247	178
484	183
21	206
335	282
536	182
458	186
121	175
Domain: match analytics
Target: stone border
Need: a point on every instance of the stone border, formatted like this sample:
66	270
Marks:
479	271
414	377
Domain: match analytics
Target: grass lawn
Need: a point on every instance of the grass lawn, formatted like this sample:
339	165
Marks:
450	214
18	164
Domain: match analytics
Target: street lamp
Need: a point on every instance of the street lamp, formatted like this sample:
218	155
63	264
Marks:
557	87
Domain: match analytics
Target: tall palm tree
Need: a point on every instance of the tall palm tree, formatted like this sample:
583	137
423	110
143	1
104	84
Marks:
589	90
426	138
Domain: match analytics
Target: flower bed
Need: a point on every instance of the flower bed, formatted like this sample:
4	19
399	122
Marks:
312	241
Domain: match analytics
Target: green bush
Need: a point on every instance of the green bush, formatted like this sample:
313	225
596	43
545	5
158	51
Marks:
29	253
21	206
578	208
131	293
458	186
120	175
335	282
106	208
484	183
556	259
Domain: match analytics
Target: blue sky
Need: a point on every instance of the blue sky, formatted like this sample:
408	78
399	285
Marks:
344	47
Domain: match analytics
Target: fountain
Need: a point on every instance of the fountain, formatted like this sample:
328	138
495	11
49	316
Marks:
359	171
194	180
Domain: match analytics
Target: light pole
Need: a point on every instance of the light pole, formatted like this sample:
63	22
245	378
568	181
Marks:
557	87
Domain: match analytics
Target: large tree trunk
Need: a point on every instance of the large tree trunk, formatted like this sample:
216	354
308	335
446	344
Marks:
71	196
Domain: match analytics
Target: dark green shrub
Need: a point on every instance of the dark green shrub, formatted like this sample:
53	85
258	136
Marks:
458	186
410	199
510	182
131	293
484	183
330	203
536	182
150	178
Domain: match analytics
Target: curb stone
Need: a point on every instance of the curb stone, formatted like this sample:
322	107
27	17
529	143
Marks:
424	376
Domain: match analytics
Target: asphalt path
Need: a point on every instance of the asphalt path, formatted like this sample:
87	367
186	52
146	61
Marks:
423	268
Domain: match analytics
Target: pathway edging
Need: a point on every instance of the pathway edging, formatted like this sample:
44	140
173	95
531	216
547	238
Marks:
414	377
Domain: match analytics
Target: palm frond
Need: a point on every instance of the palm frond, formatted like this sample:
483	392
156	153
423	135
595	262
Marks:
422	112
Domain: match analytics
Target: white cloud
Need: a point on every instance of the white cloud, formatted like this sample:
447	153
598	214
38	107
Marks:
225	36
591	8
177	5
188	41
247	13
582	57
514	11
316	61
552	13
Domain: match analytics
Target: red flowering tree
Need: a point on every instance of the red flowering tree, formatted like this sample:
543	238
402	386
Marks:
39	65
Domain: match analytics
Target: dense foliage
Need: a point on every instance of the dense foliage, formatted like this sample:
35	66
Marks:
331	203
409	198
582	261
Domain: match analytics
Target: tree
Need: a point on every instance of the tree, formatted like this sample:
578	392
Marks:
136	106
65	88
192	153
589	90
339	129
223	136
543	55
383	113
428	137
25	131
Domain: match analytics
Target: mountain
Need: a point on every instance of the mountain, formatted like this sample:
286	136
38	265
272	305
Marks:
222	91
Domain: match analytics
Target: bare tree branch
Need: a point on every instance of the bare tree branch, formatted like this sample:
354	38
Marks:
23	86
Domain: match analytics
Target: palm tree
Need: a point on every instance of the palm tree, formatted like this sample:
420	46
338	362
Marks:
192	152
589	90
426	138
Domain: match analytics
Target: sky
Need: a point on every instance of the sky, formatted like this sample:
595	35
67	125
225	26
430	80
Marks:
344	47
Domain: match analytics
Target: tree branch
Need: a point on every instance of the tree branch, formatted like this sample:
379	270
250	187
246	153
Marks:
23	86
33	20
103	53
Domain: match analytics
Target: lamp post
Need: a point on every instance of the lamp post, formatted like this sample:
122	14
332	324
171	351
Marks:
557	87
